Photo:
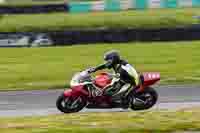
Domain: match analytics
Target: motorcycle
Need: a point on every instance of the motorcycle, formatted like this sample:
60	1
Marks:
83	94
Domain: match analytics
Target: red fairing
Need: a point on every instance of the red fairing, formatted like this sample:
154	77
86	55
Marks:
150	78
76	91
102	80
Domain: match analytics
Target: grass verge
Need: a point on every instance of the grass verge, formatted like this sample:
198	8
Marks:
53	67
155	18
115	122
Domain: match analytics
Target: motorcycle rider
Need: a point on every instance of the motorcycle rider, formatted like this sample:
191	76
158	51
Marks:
128	77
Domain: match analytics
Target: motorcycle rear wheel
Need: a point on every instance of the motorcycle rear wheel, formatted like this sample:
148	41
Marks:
146	99
69	104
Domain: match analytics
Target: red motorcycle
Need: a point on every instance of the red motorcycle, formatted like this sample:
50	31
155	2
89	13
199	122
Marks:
82	95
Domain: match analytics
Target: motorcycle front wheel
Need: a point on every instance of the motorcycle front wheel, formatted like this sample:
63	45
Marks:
70	104
144	100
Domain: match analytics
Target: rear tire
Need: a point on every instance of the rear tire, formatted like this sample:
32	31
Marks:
63	102
153	95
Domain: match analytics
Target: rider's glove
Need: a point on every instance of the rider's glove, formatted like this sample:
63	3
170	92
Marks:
91	70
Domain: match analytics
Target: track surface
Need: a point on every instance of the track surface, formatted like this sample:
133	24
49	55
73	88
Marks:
28	103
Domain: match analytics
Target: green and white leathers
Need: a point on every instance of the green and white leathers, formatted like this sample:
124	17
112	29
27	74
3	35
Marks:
127	75
131	71
125	78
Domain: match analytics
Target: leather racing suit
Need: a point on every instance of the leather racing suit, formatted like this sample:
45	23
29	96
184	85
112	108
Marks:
128	77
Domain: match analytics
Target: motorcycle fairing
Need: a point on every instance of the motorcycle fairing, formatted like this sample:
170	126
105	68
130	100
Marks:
148	79
102	80
76	91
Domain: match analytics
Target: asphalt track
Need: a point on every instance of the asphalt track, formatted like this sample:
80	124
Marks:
38	102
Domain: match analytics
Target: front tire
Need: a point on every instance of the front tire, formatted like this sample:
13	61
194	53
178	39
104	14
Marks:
145	100
69	104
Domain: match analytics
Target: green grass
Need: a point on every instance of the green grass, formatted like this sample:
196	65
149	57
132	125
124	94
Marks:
53	67
115	122
156	18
